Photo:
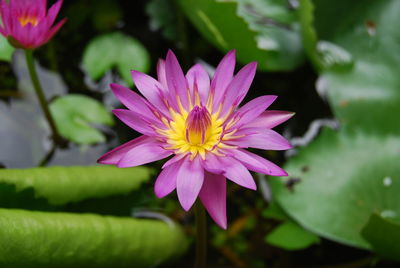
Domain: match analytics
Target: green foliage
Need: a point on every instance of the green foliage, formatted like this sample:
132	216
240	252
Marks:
348	175
73	115
384	235
344	179
288	235
263	31
6	50
163	16
42	239
61	185
291	236
115	50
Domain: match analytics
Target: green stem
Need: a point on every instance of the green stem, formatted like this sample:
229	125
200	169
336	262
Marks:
201	231
42	99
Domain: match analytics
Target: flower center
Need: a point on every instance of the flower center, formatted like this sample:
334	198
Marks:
25	19
196	132
198	125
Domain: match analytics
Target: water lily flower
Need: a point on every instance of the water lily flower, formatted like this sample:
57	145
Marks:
27	24
200	124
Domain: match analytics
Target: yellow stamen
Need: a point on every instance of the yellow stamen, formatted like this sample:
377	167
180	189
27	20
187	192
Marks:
24	20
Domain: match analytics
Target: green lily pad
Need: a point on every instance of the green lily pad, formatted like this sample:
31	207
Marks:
263	31
43	239
383	233
291	236
344	178
61	185
115	50
6	50
74	115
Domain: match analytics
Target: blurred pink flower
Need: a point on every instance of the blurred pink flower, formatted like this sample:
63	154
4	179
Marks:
198	122
27	24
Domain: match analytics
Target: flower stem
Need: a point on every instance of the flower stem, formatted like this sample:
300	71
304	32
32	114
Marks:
201	231
42	99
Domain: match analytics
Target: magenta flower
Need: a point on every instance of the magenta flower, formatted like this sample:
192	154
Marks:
198	122
27	24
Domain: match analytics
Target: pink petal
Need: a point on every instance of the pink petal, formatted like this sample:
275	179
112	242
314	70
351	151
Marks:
173	160
144	153
112	157
257	163
222	77
150	89
260	138
51	32
270	119
198	79
189	181
213	197
231	169
53	12
175	79
238	87
252	109
161	76
135	121
133	101
166	181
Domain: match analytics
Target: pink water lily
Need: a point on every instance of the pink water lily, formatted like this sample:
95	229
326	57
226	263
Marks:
199	122
27	24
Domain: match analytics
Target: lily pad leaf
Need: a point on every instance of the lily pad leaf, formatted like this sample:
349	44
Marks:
384	235
349	177
291	236
115	50
61	185
43	239
6	50
74	115
263	31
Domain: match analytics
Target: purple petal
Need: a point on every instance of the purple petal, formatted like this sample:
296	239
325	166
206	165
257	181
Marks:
237	172
260	138
132	100
213	197
150	89
51	33
252	109
257	163
53	12
238	87
222	77
174	159
230	168
143	154
166	181
161	76
199	80
176	79
270	119
135	121
112	157
189	181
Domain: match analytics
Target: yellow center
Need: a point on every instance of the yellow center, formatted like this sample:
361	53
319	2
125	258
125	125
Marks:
24	20
183	139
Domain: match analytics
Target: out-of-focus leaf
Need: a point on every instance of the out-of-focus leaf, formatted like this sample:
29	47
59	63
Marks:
61	185
115	50
6	50
274	211
74	114
263	31
42	239
384	236
162	16
364	95
348	177
291	236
